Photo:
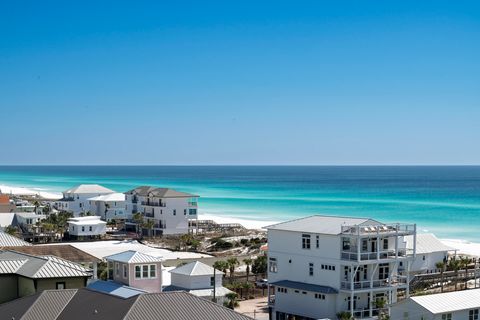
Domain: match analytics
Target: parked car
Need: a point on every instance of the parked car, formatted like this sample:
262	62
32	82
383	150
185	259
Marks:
261	283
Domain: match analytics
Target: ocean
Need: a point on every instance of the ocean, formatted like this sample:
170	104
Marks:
444	200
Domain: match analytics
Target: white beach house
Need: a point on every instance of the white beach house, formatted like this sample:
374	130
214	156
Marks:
170	210
86	227
75	200
458	305
321	265
429	251
198	279
108	206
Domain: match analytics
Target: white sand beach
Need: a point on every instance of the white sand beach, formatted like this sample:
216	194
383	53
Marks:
29	191
249	224
464	247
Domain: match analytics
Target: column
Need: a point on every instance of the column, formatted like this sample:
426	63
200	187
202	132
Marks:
95	270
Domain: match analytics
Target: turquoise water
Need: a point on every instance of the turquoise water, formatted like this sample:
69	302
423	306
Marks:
443	200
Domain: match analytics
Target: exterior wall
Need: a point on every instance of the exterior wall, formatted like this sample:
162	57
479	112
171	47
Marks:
149	284
98	228
118	275
425	262
78	204
26	286
8	285
115	210
70	283
195	282
410	310
305	303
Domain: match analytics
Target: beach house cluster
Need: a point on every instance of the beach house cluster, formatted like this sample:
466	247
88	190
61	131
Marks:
170	211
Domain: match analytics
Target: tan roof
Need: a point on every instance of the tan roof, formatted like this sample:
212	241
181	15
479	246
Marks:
64	251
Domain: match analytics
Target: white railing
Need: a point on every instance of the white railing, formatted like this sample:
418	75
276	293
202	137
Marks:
367	284
384	254
379	229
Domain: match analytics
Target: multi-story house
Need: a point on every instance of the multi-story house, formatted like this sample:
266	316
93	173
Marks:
319	266
170	210
109	206
75	200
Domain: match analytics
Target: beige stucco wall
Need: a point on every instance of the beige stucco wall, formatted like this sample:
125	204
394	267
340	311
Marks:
8	288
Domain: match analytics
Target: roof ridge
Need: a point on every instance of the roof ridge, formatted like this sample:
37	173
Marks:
137	298
33	304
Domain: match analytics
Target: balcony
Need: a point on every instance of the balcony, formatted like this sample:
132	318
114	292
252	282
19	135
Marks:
192	204
353	255
374	284
153	204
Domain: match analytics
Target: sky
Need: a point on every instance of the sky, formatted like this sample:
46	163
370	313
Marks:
240	82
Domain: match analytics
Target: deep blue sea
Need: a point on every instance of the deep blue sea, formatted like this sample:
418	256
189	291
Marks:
440	199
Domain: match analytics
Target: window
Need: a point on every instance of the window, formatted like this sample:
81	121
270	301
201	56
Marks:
184	212
473	314
145	271
153	271
282	290
447	316
385	244
273	265
212	281
125	271
117	268
305	241
423	258
192	212
318	242
310	269
138	272
90	228
60	285
83	228
174	212
364	245
346	244
319	296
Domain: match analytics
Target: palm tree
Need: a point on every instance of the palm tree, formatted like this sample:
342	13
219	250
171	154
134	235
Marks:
36	204
185	240
454	264
232	300
138	219
222	266
344	315
11	230
148	224
247	285
248	262
232	263
465	262
441	265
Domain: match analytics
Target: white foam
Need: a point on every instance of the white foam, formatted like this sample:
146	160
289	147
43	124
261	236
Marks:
29	191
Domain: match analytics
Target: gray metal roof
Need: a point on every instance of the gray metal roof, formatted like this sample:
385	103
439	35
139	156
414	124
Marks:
132	256
304	286
49	304
179	306
321	224
7	240
195	268
114	288
40	267
89	188
160	192
86	304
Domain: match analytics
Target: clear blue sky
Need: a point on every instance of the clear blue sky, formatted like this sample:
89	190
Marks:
240	82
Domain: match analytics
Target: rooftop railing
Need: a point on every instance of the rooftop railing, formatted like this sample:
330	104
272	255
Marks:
367	284
154	204
386	254
383	229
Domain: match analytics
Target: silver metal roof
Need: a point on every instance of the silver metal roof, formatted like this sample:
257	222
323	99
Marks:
195	268
427	243
160	192
132	256
40	267
322	224
89	188
7	240
450	301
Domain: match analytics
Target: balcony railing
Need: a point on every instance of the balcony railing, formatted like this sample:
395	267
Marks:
367	284
154	204
352	254
192	204
387	229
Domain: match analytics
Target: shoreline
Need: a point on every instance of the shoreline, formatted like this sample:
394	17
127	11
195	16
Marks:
29	191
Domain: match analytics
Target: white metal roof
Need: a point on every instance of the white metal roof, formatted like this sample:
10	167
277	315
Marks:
7	240
109	197
321	224
11	266
131	256
195	268
6	218
427	243
89	188
450	301
86	222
